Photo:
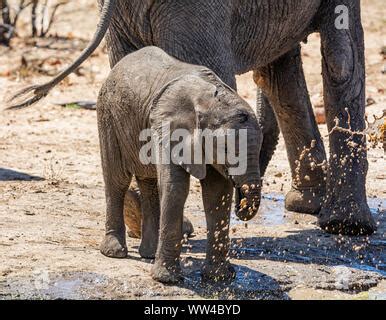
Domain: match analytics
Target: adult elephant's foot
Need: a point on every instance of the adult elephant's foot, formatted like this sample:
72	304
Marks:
305	200
347	217
168	274
113	247
218	273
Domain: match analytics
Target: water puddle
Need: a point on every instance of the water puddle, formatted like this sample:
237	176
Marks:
271	212
68	286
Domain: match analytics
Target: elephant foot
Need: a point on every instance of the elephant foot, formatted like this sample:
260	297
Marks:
218	273
307	201
347	217
187	228
167	274
147	250
113	247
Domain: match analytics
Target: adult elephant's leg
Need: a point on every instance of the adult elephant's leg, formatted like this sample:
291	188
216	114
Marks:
217	197
284	83
118	46
345	210
268	123
173	183
150	217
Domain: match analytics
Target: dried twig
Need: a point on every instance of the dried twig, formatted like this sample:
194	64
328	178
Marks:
51	20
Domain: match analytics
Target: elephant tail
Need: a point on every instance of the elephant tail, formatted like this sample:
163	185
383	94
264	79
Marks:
268	123
30	95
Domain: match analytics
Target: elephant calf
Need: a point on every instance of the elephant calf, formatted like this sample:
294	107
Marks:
146	90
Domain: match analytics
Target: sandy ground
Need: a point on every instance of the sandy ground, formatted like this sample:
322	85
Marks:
52	199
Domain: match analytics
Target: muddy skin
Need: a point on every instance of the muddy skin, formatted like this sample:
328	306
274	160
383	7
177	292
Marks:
143	91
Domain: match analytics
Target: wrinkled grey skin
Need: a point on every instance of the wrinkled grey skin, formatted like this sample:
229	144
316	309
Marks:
145	90
235	36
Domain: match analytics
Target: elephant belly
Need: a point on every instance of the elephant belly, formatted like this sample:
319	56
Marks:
228	36
264	30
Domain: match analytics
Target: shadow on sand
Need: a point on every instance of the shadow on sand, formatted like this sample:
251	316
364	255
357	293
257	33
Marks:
11	175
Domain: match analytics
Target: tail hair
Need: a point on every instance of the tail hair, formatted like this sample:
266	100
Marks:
28	96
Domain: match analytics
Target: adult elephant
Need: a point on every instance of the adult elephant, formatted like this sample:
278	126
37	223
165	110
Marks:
235	36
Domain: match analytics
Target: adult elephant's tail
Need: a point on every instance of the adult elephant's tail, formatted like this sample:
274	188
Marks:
21	99
270	128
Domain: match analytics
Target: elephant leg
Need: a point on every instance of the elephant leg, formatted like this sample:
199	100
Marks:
284	83
150	205
217	193
133	216
118	46
345	210
117	181
173	184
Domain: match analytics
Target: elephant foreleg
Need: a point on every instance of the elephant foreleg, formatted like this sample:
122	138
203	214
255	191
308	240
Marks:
345	210
217	197
174	189
284	83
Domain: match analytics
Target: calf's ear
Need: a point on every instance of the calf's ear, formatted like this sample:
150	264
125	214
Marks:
197	166
182	104
196	170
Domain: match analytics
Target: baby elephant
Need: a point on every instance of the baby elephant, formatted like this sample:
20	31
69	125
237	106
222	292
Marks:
149	101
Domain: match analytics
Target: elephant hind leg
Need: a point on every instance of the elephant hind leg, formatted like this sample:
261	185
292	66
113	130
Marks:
133	216
150	204
284	84
117	180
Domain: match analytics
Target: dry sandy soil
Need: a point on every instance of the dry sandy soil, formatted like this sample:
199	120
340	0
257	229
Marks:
52	199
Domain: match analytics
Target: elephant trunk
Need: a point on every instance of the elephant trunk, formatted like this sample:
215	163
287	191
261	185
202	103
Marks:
248	196
40	91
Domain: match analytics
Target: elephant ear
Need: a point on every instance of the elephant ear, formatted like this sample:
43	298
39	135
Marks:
181	104
196	170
